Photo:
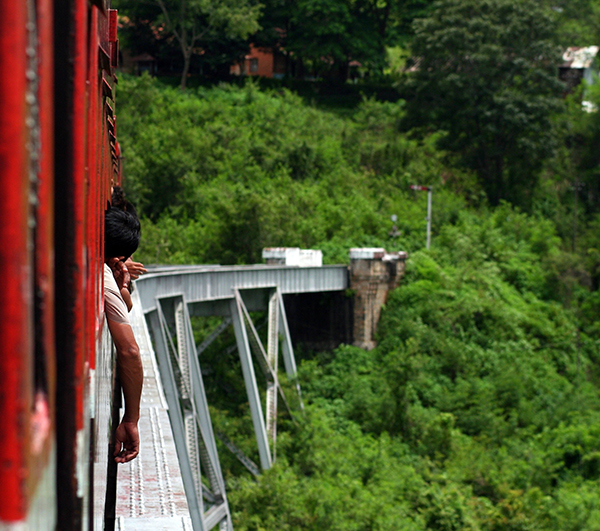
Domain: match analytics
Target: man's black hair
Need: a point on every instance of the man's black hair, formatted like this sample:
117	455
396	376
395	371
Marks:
122	233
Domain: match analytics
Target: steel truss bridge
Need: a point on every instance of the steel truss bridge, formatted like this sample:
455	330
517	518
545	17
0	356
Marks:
183	487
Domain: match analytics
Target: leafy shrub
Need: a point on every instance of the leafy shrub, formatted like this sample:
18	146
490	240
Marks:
479	408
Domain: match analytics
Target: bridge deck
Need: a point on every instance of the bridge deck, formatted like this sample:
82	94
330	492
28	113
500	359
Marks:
150	493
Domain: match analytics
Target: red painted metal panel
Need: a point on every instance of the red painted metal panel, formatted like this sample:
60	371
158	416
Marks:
112	25
44	243
93	184
78	183
112	37
74	172
103	34
15	264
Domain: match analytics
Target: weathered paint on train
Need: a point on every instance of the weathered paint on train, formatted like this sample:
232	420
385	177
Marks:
58	159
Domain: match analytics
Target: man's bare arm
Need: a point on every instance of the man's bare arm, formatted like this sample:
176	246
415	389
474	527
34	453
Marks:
131	375
127	298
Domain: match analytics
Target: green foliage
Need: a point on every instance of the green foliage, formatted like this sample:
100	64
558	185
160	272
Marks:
479	409
579	21
475	400
192	23
364	484
577	163
322	37
486	75
221	173
474	412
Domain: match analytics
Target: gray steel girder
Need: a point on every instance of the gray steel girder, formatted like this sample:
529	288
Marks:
168	300
190	419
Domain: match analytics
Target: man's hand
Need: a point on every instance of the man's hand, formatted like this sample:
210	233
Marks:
135	269
120	272
127	442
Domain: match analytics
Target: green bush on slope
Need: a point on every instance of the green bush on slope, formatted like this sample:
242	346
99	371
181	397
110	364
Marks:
482	379
231	170
478	409
476	398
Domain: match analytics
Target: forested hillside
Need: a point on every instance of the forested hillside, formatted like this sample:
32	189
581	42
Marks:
212	164
480	407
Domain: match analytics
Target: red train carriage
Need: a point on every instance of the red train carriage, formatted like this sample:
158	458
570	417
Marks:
58	159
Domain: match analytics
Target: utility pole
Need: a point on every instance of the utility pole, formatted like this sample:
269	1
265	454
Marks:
394	233
429	190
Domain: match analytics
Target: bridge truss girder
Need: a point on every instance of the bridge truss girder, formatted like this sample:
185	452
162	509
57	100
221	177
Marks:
190	419
181	376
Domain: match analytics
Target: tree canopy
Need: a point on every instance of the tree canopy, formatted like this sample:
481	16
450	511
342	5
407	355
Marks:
579	21
323	37
192	23
317	37
485	74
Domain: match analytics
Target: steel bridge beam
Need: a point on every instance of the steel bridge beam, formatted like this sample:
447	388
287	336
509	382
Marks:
157	325
243	345
168	312
190	418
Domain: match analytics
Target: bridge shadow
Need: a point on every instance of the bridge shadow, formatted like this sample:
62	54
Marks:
320	321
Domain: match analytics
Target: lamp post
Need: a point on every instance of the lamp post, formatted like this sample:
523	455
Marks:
429	190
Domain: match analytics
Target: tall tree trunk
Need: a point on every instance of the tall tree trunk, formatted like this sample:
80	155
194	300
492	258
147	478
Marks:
187	57
383	18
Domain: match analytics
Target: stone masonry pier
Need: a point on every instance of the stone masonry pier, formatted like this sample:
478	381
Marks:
373	273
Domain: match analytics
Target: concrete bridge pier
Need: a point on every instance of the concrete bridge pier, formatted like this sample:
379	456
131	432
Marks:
373	273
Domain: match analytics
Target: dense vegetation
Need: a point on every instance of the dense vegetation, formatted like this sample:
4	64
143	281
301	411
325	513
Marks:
480	407
487	77
333	39
212	165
